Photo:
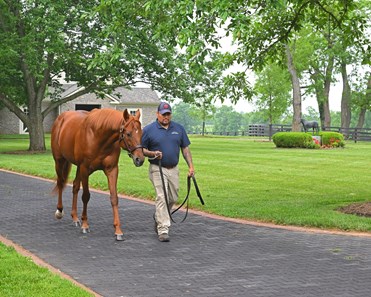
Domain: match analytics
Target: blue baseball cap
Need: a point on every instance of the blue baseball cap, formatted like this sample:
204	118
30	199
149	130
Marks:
164	107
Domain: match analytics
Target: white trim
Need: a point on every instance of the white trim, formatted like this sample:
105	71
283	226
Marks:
75	91
133	110
22	128
113	100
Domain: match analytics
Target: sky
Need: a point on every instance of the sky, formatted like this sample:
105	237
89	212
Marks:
334	101
245	106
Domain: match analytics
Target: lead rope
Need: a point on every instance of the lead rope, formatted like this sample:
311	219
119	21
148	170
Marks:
165	192
186	199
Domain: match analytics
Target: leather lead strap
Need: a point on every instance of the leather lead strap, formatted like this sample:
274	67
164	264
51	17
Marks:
186	199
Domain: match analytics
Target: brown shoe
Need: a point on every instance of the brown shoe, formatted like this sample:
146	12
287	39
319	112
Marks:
164	237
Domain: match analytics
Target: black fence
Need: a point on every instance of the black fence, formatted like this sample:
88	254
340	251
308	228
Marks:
265	130
356	134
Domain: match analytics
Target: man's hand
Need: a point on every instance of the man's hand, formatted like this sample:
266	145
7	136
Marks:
157	154
191	171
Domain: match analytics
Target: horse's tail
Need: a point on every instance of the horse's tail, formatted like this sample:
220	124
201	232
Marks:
62	166
63	171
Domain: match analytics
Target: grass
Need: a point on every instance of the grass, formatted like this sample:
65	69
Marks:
239	177
19	276
243	178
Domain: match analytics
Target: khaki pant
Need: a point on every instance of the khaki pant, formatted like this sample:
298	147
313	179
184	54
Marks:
171	178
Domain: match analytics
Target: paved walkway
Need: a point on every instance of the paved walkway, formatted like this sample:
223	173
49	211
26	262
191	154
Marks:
206	256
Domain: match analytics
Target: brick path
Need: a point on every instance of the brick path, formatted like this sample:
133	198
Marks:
206	256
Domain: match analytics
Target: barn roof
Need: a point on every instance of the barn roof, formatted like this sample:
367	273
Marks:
120	95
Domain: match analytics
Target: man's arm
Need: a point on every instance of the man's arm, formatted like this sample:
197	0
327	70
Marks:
188	158
152	154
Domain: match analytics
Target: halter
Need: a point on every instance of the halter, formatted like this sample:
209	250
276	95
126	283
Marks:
122	137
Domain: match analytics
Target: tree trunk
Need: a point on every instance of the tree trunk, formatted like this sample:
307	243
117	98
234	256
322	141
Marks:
326	91
365	106
296	95
361	118
35	126
270	110
322	90
345	100
36	132
315	77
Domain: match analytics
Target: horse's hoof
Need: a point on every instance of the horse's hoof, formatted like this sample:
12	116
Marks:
59	214
85	230
77	224
119	237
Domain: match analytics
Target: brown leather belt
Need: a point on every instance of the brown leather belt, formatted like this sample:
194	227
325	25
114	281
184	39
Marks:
169	167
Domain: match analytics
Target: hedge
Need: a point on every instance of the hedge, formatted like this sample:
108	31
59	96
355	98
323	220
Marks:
304	140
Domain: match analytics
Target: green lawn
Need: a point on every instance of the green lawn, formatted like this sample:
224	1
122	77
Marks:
240	177
20	277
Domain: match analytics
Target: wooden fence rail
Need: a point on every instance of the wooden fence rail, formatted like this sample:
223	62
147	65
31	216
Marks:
265	130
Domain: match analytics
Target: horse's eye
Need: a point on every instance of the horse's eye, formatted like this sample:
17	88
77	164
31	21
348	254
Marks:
128	134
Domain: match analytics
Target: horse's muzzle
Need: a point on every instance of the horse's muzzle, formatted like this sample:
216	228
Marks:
138	161
137	155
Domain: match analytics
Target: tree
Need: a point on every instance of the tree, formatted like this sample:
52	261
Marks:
273	92
103	44
184	114
44	40
258	28
227	120
296	94
355	50
362	101
312	114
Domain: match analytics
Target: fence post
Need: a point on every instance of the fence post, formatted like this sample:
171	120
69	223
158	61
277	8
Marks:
355	135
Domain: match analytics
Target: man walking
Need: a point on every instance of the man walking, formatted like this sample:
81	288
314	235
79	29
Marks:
163	140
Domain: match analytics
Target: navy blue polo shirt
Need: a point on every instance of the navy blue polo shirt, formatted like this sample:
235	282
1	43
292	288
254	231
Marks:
168	141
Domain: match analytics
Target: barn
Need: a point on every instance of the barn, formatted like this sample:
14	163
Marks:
144	99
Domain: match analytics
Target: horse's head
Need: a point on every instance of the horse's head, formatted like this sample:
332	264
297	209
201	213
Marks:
131	137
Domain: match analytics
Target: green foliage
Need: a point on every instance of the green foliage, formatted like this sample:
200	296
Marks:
185	115
272	89
227	120
304	140
258	30
332	139
293	140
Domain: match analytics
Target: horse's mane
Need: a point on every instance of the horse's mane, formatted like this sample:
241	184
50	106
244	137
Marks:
104	119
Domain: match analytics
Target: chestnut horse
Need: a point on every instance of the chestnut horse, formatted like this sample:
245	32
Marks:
93	141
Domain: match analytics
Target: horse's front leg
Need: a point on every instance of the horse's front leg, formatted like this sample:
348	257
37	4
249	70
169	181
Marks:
84	177
112	174
75	192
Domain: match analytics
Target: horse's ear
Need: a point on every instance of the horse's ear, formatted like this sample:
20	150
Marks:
126	115
137	115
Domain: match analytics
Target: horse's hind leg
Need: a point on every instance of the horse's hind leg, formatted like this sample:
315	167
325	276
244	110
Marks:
62	168
84	177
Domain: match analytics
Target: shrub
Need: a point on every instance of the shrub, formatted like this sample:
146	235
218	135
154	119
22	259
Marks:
332	139
293	139
304	140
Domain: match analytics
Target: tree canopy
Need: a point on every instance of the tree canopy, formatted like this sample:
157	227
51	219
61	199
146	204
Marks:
174	46
44	41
